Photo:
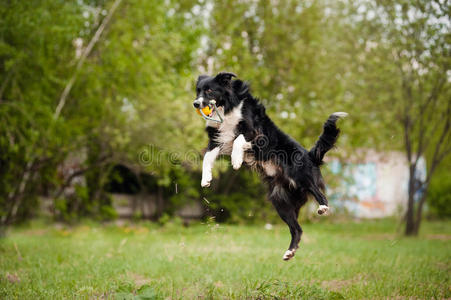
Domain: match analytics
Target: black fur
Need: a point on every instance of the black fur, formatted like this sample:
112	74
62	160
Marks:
294	171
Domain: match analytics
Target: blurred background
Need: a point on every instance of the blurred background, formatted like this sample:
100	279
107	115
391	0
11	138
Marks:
96	116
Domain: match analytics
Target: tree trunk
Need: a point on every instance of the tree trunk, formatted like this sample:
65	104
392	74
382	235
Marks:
19	194
86	52
410	221
420	211
413	217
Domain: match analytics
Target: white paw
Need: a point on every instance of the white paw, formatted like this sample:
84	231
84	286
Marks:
205	183
323	209
289	254
206	179
237	160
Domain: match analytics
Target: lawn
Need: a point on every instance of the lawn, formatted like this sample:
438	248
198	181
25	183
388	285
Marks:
363	260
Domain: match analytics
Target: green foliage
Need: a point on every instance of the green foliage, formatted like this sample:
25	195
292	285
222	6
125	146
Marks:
238	197
62	210
184	187
146	292
35	43
107	212
143	52
439	196
130	103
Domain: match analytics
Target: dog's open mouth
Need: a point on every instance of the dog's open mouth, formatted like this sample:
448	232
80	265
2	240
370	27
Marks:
208	111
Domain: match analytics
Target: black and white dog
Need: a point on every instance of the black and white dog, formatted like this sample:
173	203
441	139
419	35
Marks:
248	135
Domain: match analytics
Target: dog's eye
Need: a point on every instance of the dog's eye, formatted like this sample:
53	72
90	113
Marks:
209	91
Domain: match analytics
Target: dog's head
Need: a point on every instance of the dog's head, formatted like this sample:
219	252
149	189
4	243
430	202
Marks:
221	88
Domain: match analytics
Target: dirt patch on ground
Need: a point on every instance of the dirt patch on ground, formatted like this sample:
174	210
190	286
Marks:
307	239
36	232
138	279
381	237
12	277
338	284
444	266
442	237
392	237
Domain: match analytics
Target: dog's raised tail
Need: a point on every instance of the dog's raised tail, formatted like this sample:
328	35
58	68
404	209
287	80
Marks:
327	139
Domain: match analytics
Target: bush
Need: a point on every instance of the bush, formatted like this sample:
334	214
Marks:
238	197
439	197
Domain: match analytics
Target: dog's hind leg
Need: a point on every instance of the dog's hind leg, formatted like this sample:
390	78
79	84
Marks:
320	198
288	213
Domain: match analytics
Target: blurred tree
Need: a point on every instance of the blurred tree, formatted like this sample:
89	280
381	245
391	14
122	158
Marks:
134	75
439	195
35	48
403	61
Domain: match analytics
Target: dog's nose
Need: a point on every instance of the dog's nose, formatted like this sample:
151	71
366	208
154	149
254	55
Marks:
196	104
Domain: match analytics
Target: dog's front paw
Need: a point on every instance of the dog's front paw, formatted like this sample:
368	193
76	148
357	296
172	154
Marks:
206	179
289	254
205	183
237	160
323	209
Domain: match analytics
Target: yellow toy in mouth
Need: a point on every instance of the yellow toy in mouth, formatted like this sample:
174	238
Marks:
206	110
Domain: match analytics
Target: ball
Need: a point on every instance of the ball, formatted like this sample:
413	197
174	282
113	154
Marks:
206	110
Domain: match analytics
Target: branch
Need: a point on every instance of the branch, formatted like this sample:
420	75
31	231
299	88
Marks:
62	102
407	140
79	173
5	83
18	195
405	114
69	180
85	53
440	155
432	98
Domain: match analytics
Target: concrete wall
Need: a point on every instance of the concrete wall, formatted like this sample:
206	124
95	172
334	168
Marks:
374	185
128	206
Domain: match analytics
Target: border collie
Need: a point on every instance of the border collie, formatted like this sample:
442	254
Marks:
248	135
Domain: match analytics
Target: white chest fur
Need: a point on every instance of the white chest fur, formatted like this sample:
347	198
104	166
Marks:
227	129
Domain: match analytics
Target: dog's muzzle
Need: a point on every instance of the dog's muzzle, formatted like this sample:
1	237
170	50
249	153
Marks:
198	103
212	108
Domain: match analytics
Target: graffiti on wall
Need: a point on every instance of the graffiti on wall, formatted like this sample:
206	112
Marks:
373	188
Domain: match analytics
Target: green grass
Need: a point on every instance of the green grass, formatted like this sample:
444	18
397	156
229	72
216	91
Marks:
364	260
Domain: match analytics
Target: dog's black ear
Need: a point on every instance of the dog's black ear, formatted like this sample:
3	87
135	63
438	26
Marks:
201	77
241	88
224	78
